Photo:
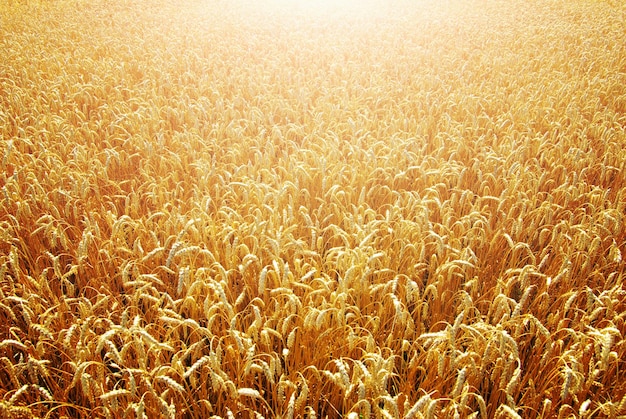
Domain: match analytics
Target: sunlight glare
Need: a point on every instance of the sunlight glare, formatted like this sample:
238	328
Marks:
322	7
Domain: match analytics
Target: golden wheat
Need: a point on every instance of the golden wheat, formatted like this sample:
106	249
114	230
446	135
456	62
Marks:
281	209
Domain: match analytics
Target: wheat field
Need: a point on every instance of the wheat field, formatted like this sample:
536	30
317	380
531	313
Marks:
299	209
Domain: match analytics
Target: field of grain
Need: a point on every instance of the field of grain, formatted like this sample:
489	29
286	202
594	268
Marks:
283	208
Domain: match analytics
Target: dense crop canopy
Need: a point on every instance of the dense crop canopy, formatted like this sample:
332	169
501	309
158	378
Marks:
312	209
